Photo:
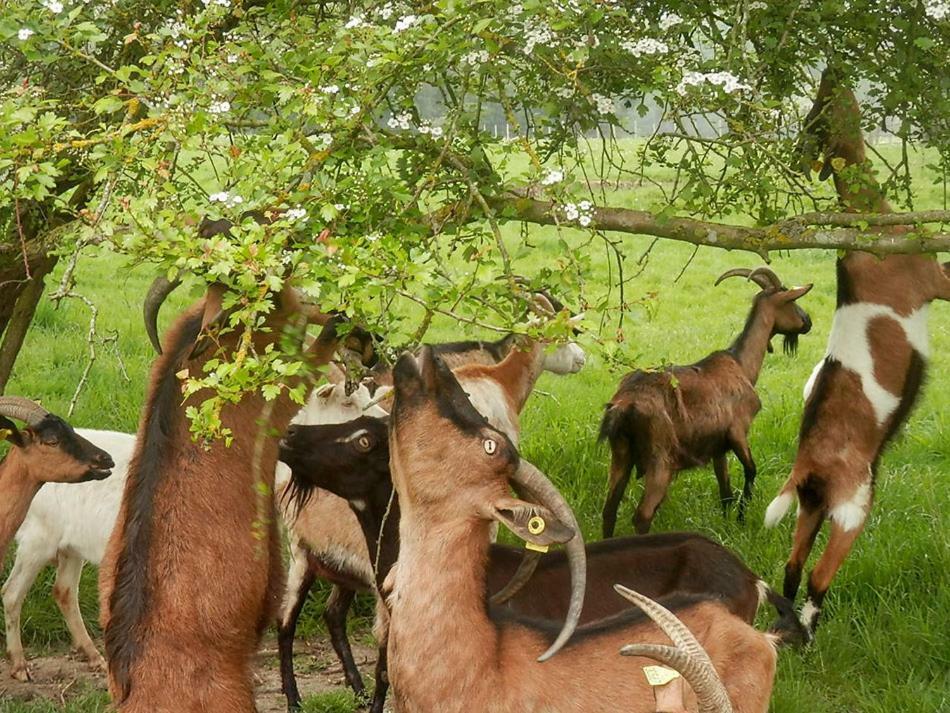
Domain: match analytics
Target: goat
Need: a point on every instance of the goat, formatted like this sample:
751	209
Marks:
66	524
48	450
681	417
865	387
450	488
326	540
180	620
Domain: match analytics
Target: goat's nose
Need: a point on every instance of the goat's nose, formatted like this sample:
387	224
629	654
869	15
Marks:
807	328
291	432
105	461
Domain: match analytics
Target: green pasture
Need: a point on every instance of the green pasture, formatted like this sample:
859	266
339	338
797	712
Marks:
883	645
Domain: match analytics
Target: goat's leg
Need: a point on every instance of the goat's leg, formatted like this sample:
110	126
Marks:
299	581
839	545
721	468
621	463
739	442
27	565
335	617
382	682
656	482
66	594
810	518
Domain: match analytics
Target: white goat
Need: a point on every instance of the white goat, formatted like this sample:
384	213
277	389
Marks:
69	524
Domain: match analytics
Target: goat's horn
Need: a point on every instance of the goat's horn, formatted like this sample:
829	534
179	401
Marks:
22	409
734	272
765	278
707	684
694	673
536	486
529	563
157	294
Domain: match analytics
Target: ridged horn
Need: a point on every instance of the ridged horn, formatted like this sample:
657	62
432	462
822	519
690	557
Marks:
22	409
734	272
156	296
525	570
536	486
687	655
765	273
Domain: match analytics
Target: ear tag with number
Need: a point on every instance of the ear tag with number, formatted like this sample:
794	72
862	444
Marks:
536	525
659	675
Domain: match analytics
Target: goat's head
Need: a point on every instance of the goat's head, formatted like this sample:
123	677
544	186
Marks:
832	128
788	318
566	358
349	459
451	468
48	449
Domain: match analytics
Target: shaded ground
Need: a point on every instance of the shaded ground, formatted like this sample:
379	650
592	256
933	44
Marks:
59	678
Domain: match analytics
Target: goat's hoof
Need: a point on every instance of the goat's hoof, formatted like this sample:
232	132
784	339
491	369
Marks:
21	672
97	663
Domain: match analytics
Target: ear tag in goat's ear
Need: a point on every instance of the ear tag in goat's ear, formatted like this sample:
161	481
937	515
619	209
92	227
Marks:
659	675
5	433
536	525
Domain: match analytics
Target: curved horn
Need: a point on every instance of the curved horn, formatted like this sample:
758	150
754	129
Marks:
765	278
526	568
537	487
687	656
734	272
22	409
157	294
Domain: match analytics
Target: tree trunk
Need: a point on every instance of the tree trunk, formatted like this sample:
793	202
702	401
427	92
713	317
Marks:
22	316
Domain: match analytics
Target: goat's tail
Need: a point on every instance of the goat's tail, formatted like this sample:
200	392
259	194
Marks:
780	505
613	425
787	628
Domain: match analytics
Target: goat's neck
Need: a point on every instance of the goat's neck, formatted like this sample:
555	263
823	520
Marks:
379	520
752	343
16	494
439	600
519	372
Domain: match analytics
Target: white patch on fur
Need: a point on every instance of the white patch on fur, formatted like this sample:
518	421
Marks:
331	404
763	590
851	514
809	615
491	401
810	384
568	358
778	508
848	343
353	436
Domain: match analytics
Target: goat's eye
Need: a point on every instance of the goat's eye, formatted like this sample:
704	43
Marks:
363	443
490	446
51	441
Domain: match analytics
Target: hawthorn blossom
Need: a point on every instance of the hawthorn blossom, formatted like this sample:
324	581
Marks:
54	6
937	9
605	105
669	19
24	34
729	83
647	45
400	121
552	177
220	107
297	213
404	23
354	22
536	33
226	198
330	89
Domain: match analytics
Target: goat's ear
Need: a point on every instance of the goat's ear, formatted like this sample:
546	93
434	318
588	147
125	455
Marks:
214	309
826	170
10	433
534	524
796	292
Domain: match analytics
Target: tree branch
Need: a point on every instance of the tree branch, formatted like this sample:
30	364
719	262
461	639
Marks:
793	234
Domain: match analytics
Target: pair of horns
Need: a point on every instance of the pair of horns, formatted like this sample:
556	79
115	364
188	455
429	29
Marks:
762	276
22	409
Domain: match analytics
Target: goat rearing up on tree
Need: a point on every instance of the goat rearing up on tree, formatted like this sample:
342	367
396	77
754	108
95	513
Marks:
863	390
680	417
451	471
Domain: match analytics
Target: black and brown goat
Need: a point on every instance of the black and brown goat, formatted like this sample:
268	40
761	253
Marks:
450	489
865	387
679	417
181	621
47	450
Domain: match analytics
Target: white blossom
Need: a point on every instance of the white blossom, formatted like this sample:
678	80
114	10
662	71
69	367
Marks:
937	9
226	198
605	105
551	177
584	220
404	23
386	11
400	121
565	92
232	58
669	19
220	107
729	83
220	3
476	57
324	140
24	34
536	33
340	206
647	45
54	6
758	6
330	89
354	22
297	213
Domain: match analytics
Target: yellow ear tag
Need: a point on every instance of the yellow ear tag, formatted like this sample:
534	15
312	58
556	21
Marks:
659	675
536	525
4	432
535	548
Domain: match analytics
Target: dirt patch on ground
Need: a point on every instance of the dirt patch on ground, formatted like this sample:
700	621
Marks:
58	678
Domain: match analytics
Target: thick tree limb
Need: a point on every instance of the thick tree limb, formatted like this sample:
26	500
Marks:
794	234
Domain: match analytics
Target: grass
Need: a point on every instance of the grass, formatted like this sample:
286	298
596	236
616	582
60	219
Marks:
883	643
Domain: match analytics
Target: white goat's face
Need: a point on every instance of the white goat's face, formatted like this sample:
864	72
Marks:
568	358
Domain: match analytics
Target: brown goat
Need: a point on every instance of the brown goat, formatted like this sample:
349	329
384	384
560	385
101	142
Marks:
450	489
864	389
192	572
48	450
680	417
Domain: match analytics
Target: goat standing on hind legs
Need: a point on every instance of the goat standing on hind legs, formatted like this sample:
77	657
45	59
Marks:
190	579
680	417
865	387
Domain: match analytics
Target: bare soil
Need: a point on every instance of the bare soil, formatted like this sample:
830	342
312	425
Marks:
59	677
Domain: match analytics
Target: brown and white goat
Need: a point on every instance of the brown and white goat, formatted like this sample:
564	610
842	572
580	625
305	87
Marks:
192	572
450	489
864	389
680	417
48	450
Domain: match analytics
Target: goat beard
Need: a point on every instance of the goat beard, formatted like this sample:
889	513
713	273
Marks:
790	344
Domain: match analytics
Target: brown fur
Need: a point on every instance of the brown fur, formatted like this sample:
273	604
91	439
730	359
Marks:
662	422
840	441
183	617
447	489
